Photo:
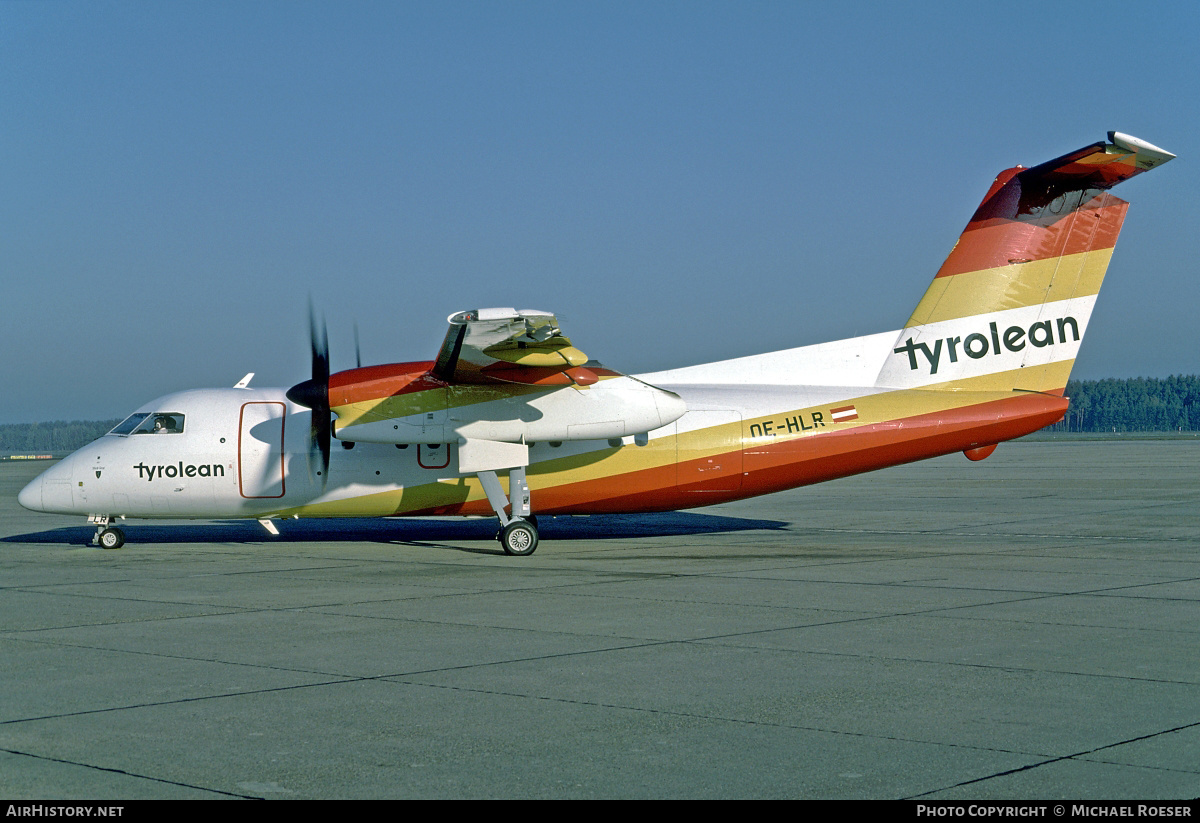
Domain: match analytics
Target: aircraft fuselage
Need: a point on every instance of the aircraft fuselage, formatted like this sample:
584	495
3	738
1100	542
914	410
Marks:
243	453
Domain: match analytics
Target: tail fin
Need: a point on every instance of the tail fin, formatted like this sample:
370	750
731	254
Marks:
1009	307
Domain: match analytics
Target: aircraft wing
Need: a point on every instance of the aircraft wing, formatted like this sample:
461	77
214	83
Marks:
509	346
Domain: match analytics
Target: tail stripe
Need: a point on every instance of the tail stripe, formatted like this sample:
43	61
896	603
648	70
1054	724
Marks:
1013	287
1050	231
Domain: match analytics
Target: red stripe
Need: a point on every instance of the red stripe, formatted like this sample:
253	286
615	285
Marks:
994	238
377	382
798	462
392	379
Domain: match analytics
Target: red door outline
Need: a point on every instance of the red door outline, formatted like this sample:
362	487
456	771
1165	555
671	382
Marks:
282	417
428	455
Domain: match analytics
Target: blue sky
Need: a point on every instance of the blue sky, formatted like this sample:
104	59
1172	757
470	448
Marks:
679	182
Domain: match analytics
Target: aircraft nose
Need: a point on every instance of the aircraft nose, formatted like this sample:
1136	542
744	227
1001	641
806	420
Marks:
50	491
31	496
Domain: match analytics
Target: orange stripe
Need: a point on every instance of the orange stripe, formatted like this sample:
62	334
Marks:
797	462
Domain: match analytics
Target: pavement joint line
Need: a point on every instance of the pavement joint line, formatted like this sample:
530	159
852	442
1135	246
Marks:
1012	669
181	700
935	612
1050	761
190	659
857	616
985	620
14	634
636	644
1126	764
741	576
1004	535
126	773
612	580
720	718
226	609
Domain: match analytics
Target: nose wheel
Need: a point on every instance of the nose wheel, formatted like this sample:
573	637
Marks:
112	538
107	536
519	538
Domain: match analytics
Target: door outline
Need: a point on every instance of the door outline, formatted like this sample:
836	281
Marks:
433	452
282	418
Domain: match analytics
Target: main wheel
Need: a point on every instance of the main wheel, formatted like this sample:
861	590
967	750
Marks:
519	538
112	538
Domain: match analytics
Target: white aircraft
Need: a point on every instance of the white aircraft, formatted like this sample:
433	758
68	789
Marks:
984	358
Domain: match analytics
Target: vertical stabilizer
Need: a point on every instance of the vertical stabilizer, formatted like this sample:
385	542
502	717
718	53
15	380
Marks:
1009	307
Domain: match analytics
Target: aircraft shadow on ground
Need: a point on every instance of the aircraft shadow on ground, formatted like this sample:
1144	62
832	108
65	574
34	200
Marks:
404	530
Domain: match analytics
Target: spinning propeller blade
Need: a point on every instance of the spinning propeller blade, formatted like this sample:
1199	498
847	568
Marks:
314	394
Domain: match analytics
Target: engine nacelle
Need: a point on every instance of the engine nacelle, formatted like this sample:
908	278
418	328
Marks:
612	408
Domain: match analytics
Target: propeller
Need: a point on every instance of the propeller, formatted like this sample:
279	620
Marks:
314	394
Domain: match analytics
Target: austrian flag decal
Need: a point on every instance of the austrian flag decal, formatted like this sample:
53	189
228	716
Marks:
844	414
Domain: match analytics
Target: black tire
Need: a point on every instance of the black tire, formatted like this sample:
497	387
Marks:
112	538
519	538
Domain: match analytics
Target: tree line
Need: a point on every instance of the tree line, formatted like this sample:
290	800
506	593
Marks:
56	436
1139	404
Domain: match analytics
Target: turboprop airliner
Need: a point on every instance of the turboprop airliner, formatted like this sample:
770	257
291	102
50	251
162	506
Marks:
511	418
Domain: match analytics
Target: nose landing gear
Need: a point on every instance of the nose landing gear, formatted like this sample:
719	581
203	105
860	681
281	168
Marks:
107	536
519	538
518	533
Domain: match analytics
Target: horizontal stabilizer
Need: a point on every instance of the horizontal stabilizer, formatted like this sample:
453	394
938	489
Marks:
1100	165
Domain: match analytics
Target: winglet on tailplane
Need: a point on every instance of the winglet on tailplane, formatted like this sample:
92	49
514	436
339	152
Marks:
1009	307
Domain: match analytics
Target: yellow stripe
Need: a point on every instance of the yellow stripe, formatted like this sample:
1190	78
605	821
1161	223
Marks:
1046	377
1012	287
664	451
393	501
902	404
453	490
959	394
439	399
430	400
602	463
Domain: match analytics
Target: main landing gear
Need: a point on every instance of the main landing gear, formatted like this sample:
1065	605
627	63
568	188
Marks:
107	536
518	533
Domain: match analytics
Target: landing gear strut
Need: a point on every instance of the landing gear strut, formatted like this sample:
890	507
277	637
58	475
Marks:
107	536
518	533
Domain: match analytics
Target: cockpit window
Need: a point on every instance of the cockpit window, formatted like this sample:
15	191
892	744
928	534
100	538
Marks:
161	423
151	423
130	423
